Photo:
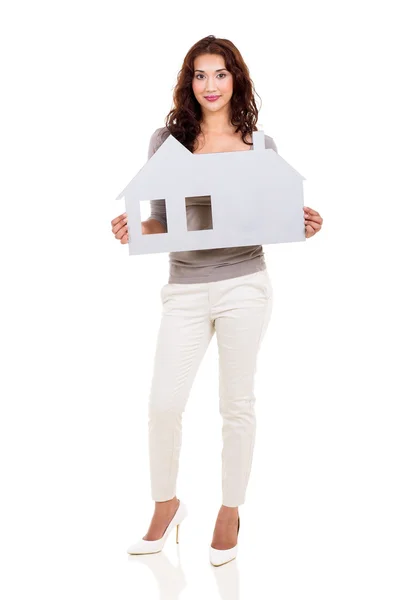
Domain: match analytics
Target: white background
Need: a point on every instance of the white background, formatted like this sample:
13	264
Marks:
84	85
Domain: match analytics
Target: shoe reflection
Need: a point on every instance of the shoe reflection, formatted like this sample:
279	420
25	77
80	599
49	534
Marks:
227	580
170	578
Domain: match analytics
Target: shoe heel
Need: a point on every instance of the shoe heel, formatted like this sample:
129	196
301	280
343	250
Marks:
153	546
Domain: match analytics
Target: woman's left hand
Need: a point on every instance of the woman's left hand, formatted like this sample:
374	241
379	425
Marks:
312	221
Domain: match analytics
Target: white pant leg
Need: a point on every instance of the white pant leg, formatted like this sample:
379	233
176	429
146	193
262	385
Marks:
241	307
184	335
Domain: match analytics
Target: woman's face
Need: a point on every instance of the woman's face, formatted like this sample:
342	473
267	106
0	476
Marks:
211	78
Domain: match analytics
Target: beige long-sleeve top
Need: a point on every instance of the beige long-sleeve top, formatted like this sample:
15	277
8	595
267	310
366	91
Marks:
203	266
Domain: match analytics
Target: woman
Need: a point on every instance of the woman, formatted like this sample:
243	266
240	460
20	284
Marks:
223	290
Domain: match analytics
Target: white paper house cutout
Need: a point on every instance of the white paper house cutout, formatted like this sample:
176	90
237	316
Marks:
256	198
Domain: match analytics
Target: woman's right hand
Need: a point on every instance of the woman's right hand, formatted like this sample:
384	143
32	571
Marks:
119	227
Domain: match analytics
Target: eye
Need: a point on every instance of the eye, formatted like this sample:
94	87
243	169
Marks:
201	75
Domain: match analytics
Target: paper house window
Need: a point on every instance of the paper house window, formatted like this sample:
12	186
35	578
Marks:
203	207
145	210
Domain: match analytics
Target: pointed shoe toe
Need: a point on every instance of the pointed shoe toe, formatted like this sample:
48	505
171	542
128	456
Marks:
221	557
153	546
146	547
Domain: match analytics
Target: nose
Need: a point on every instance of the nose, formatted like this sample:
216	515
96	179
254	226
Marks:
209	88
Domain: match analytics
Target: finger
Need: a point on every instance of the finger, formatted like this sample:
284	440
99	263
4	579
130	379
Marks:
313	224
314	218
119	226
121	232
310	211
309	231
125	239
118	219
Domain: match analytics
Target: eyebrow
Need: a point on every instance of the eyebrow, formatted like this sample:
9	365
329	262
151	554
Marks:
216	70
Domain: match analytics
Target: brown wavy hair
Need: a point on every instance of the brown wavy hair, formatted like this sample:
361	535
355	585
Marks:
183	121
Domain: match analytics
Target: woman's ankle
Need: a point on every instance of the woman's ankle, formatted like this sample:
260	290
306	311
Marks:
166	504
228	511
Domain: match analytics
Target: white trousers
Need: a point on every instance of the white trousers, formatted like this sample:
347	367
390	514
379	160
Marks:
238	310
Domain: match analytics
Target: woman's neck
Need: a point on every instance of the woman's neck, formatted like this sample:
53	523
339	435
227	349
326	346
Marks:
216	123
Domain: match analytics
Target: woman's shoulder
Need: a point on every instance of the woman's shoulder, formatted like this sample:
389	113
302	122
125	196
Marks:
160	134
157	138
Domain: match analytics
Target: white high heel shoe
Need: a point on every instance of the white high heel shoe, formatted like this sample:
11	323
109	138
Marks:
221	557
153	546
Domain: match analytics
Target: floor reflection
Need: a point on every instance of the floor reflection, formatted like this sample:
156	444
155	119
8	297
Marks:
171	580
227	580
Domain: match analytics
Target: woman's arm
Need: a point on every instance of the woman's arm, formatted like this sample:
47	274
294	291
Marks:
152	226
